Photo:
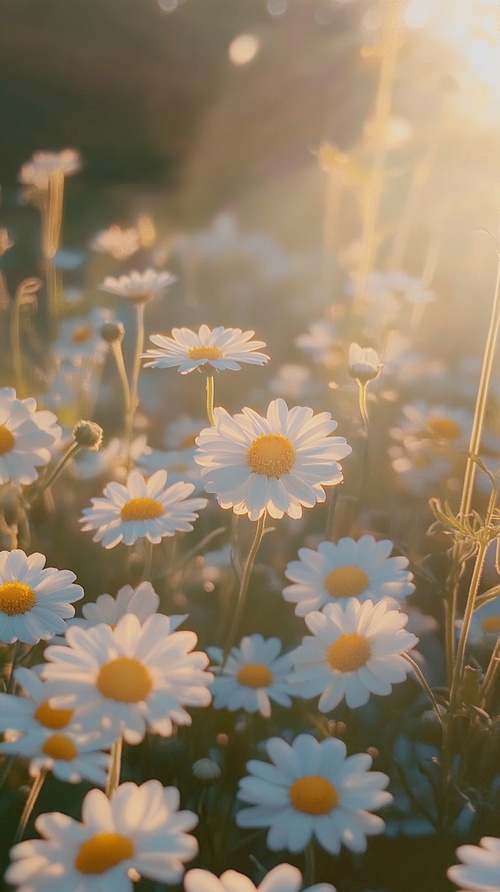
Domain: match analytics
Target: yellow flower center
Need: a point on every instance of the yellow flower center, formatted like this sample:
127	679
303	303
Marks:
349	652
102	852
82	333
204	353
16	598
491	624
52	718
346	582
6	440
271	455
60	747
255	675
313	794
125	680
444	428
141	509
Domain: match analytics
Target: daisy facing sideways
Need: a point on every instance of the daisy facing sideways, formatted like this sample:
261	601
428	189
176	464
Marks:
140	828
130	678
355	651
141	509
218	348
312	790
139	288
277	464
35	600
349	568
480	868
253	675
282	878
26	437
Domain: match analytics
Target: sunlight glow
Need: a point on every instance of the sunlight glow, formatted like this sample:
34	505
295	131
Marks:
243	49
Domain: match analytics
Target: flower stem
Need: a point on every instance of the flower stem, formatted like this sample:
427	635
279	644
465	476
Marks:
134	380
464	631
418	672
47	481
210	399
245	579
362	388
489	677
30	804
113	778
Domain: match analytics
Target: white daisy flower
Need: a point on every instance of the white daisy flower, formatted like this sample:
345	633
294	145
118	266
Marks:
31	716
111	460
129	678
282	878
140	828
80	338
321	341
181	433
34	602
363	363
119	243
441	425
253	675
312	790
420	468
348	568
480	868
485	624
276	464
70	756
139	288
42	165
26	437
141	509
356	651
219	348
142	601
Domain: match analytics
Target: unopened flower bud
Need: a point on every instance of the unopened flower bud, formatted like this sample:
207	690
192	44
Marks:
112	331
206	771
88	435
364	363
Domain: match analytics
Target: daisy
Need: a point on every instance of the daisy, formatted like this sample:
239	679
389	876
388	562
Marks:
276	464
141	509
485	624
129	678
42	165
80	338
219	348
253	675
320	343
364	363
181	433
140	828
142	601
31	716
348	568
34	602
441	425
138	288
26	437
179	463
282	878
480	868
312	790
357	650
70	756
119	243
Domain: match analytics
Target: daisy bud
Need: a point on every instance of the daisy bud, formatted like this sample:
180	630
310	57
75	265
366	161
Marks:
112	331
364	363
206	771
88	435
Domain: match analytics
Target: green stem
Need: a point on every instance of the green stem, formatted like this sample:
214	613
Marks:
148	560
464	631
245	579
362	388
418	672
47	481
489	677
113	778
134	380
30	804
210	399
15	340
309	865
117	351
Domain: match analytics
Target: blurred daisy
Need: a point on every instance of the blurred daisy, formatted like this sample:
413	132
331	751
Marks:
42	165
140	828
399	285
111	460
181	433
129	678
480	868
179	464
34	602
141	601
292	381
363	363
277	464
441	425
355	651
253	675
419	467
219	348
119	243
26	437
80	338
485	623
282	878
141	509
312	790
346	569
138	288
70	755
321	341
